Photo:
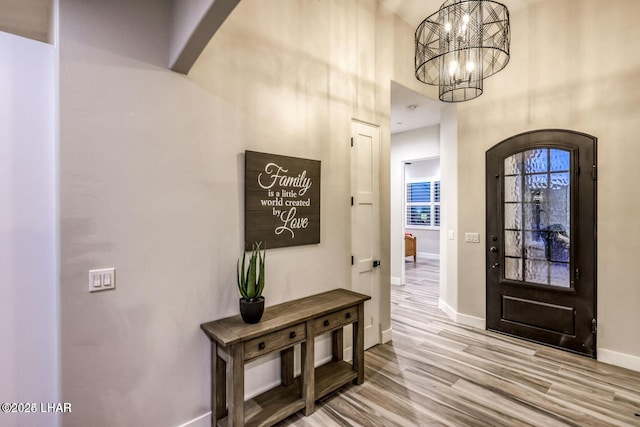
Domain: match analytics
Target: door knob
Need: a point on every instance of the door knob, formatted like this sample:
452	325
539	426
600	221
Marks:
493	249
376	263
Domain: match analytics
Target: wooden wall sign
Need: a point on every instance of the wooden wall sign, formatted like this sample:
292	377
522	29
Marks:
281	200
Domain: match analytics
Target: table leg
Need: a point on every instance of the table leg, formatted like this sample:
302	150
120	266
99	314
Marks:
218	386
286	367
235	368
337	344
358	345
308	371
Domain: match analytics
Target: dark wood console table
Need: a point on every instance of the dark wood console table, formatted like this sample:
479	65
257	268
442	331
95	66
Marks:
233	343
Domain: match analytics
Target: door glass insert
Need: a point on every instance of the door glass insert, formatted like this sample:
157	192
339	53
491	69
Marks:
537	216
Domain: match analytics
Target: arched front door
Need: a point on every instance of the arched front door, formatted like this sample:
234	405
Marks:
541	239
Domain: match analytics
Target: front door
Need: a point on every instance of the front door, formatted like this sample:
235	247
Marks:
365	224
541	239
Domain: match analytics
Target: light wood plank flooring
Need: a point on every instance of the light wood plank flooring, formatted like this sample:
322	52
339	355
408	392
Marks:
438	373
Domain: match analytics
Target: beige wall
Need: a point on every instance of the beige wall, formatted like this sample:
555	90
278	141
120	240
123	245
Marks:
573	66
151	166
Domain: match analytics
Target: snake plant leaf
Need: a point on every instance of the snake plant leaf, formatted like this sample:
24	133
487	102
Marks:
251	282
240	275
261	257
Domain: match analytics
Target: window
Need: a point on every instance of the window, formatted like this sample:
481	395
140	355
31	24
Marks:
423	203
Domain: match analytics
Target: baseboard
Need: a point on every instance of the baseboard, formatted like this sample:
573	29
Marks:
347	355
395	280
622	360
463	319
474	322
427	255
203	420
448	310
385	336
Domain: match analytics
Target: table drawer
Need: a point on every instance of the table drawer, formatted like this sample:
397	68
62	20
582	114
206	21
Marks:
274	341
335	319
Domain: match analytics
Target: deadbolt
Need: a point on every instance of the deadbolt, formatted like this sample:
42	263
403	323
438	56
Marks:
493	249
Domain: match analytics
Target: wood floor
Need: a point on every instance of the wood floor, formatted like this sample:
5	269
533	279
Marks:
438	373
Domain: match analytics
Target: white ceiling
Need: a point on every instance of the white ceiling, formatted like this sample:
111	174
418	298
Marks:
27	18
411	110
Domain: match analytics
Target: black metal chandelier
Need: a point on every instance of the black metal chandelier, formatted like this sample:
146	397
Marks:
461	44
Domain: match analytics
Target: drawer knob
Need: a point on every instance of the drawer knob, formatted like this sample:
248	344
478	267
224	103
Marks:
292	335
261	346
326	323
348	315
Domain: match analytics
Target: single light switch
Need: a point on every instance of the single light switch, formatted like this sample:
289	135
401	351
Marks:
451	235
97	280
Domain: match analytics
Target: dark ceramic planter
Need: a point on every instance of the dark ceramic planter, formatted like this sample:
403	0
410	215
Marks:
251	311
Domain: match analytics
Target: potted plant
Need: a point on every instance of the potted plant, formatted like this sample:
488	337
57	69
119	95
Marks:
251	284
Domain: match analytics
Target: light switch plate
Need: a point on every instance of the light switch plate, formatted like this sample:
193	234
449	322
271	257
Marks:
451	235
472	237
102	279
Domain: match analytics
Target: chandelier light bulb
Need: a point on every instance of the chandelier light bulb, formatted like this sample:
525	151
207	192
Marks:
453	67
470	66
465	19
447	27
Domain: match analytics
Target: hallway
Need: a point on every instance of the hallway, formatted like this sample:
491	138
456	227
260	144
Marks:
438	373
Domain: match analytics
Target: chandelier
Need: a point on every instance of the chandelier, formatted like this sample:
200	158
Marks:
461	44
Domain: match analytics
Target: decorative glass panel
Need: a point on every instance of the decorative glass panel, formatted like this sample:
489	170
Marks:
536	160
535	188
558	243
513	164
513	243
536	271
513	268
559	274
537	216
513	216
513	188
535	246
559	200
560	160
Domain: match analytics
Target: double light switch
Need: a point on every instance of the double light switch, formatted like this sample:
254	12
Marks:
102	279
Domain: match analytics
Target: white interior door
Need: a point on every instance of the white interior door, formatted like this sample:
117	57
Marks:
365	223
